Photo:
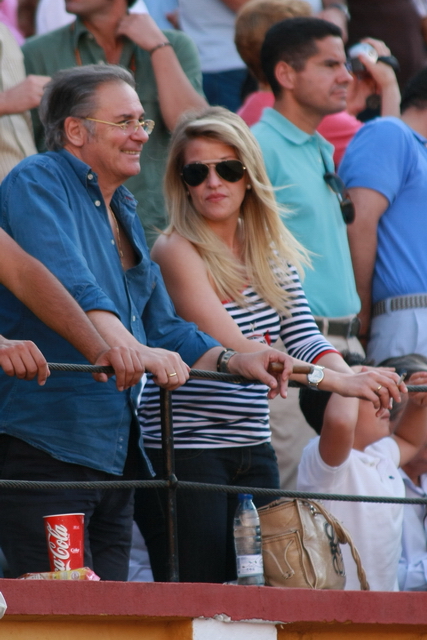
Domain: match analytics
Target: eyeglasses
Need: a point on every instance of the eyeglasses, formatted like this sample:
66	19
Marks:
337	185
129	126
196	172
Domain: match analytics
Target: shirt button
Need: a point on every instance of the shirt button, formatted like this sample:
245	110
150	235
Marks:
133	318
112	241
90	176
120	439
97	203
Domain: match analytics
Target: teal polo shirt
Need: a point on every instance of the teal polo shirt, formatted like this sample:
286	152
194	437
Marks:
295	167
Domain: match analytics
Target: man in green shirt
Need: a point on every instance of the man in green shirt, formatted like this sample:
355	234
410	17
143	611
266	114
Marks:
166	69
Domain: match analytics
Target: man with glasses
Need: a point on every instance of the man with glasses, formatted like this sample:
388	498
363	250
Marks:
68	208
166	70
305	65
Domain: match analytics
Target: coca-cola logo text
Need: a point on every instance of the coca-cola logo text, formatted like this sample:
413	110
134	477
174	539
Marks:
58	540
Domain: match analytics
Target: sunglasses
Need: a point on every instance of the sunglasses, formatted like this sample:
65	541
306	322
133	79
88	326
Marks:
195	173
337	185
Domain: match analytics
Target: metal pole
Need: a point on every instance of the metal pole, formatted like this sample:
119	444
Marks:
169	475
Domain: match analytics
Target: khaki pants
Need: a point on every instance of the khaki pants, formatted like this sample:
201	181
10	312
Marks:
289	429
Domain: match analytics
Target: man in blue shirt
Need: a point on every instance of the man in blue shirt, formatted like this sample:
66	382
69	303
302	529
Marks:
69	209
385	169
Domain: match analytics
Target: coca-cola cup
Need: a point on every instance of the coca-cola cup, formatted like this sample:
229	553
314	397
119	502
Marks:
65	540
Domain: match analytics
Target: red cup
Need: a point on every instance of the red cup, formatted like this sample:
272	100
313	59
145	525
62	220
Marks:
65	540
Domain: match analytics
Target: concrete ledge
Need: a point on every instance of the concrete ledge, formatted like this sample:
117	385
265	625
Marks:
56	600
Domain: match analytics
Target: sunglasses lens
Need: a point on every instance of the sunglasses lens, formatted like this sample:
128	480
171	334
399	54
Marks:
230	170
348	211
194	173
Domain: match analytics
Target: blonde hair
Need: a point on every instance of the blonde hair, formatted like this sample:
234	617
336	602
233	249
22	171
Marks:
268	247
254	20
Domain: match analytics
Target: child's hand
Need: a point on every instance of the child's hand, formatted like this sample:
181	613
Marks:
419	398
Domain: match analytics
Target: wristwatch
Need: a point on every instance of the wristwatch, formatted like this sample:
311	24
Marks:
315	376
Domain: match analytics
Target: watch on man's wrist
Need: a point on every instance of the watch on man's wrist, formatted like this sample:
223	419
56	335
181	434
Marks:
315	376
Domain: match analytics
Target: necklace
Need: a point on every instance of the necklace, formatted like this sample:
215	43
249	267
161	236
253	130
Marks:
119	240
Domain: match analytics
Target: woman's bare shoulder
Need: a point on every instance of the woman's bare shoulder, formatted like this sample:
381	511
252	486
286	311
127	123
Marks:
173	251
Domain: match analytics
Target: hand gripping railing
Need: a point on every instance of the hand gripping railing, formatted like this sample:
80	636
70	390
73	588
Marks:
168	443
169	460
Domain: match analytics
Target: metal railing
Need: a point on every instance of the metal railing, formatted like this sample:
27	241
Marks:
171	483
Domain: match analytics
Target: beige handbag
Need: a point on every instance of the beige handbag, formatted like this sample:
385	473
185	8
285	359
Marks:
301	546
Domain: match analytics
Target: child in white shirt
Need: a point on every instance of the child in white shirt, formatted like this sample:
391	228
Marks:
355	454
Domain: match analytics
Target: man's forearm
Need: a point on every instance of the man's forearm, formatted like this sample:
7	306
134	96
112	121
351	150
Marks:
362	236
363	252
41	292
175	91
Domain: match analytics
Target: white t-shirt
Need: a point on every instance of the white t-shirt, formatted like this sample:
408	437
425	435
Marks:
376	528
210	23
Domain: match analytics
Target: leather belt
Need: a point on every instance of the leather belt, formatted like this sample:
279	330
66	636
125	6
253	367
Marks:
344	328
415	301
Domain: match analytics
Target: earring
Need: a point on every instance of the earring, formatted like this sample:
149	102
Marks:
248	187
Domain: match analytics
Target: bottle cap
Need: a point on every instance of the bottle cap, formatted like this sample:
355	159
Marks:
244	496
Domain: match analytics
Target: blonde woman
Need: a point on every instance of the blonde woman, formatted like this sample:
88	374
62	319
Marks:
232	268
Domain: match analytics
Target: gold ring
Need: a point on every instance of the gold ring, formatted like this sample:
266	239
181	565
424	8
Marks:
171	375
380	387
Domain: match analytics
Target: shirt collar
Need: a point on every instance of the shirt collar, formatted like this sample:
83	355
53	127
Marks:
83	171
291	132
81	34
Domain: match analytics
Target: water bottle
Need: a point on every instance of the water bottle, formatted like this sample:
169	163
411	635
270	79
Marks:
247	542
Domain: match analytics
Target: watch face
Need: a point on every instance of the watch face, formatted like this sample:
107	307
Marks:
315	376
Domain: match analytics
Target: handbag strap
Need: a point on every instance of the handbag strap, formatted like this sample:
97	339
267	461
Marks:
343	537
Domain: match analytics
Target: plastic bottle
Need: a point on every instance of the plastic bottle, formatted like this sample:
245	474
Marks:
247	542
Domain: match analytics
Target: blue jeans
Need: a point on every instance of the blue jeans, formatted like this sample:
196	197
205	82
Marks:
108	513
224	88
205	519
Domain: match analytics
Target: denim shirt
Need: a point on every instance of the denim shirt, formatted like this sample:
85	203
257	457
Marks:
52	206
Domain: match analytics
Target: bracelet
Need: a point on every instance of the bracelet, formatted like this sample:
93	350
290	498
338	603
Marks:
159	46
223	360
342	7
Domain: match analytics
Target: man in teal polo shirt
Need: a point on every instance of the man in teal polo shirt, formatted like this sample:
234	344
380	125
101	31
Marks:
166	69
304	62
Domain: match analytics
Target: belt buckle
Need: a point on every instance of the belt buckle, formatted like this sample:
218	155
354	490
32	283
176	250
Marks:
354	327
